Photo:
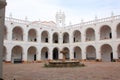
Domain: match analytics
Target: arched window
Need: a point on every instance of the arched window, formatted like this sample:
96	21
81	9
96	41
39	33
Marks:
32	52
65	37
17	54
44	53
17	34
90	34
105	32
44	37
32	35
118	30
55	54
90	53
77	53
106	52
55	38
76	36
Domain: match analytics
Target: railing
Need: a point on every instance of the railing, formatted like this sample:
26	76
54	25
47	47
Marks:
94	21
16	20
27	22
67	27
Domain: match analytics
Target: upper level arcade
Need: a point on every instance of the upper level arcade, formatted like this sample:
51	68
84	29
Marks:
100	30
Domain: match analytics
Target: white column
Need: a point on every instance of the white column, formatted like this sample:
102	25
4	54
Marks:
114	32
83	53
38	55
39	38
9	34
50	38
25	54
83	36
25	36
70	38
71	53
50	54
60	38
9	53
60	54
115	52
97	35
98	53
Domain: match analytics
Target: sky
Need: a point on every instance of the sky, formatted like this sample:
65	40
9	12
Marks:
75	10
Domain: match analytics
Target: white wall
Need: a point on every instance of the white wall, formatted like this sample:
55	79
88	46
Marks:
96	41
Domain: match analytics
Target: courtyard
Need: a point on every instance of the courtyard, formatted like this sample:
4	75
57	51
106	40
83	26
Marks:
36	71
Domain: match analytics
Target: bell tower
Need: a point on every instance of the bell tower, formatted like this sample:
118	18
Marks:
60	19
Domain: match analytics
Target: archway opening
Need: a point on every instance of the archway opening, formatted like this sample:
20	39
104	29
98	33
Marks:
65	37
32	35
55	38
106	53
4	53
17	34
44	53
17	54
77	53
105	32
76	36
118	31
90	53
67	56
5	33
90	34
32	54
119	52
44	37
55	54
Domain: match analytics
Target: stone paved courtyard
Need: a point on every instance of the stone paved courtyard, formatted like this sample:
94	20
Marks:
36	71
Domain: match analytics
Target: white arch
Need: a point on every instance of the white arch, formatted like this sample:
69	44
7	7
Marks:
65	37
76	36
67	54
32	35
90	52
4	53
17	52
5	33
55	37
77	52
106	52
17	33
105	32
55	53
44	53
118	50
31	52
118	30
90	34
45	36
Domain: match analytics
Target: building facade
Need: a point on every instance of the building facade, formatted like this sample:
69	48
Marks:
37	41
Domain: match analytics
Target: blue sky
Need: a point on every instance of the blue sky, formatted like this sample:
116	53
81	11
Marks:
75	10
